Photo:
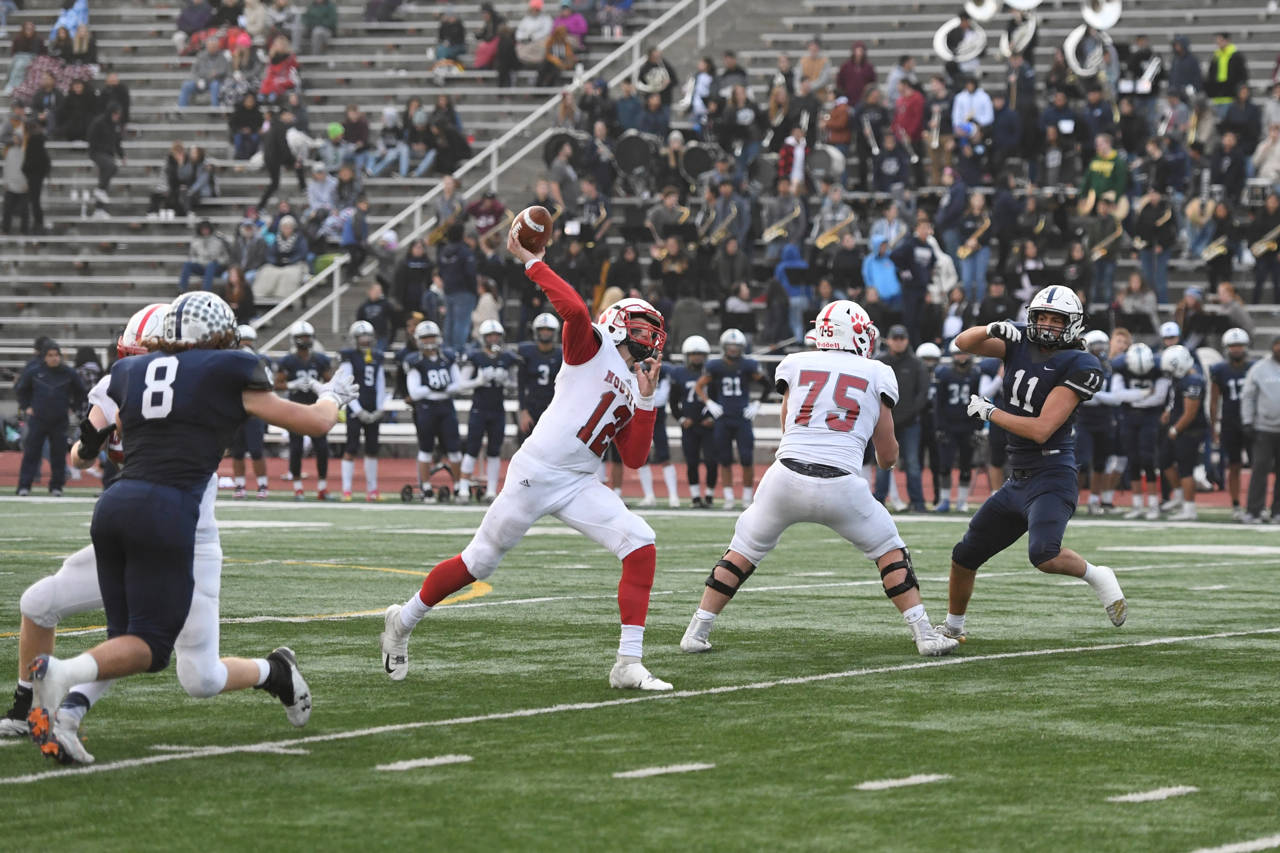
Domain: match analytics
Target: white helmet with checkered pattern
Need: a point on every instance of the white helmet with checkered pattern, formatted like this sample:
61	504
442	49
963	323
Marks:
200	318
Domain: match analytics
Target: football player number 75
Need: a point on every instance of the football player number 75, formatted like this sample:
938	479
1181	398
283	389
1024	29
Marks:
842	395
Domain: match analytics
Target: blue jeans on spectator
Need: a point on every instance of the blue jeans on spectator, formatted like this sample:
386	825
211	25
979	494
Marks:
244	144
1267	267
950	243
1104	277
750	150
908	451
799	306
209	271
189	89
1155	269
428	160
973	273
398	154
457	320
1199	238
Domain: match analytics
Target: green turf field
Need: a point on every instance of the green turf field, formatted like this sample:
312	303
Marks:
814	688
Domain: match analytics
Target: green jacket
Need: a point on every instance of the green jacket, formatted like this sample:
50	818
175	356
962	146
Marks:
1111	173
321	15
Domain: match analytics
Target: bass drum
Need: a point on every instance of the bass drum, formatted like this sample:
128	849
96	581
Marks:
826	162
636	152
697	159
577	138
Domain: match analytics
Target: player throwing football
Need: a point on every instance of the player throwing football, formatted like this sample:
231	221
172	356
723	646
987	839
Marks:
603	397
1047	373
844	399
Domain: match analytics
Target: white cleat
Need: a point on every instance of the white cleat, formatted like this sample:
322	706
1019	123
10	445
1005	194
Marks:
1237	513
673	502
1171	504
929	642
899	506
727	504
1152	514
1187	513
964	507
287	684
957	634
696	636
13	727
50	685
629	674
395	645
648	503
1136	512
1096	509
66	732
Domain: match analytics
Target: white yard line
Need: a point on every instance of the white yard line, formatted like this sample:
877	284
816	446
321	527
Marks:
918	779
1215	586
415	763
1154	795
523	713
661	771
1269	842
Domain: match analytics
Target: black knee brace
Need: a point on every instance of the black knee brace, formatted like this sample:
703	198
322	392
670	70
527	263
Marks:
723	588
908	583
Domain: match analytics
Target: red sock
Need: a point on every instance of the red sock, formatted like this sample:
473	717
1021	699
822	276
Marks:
446	579
637	580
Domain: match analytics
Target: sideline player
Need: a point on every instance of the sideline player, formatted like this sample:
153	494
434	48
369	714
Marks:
540	361
1139	371
930	355
660	456
696	423
1184	426
176	411
955	383
363	363
1046	375
1095	426
843	400
298	374
604	397
432	378
489	368
1225	393
724	390
249	436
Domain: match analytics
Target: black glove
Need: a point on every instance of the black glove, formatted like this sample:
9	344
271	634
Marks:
92	438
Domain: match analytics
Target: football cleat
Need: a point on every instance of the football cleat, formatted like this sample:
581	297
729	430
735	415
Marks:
373	497
239	493
262	493
696	636
1237	513
695	503
929	642
287	684
50	685
899	506
944	505
322	495
1171	504
647	503
395	645
13	726
1118	610
957	634
1096	509
1187	513
1250	519
298	495
1152	513
728	504
673	502
629	674
963	507
346	497
1136	512
66	735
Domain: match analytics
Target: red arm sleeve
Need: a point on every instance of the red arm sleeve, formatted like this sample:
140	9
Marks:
580	342
636	438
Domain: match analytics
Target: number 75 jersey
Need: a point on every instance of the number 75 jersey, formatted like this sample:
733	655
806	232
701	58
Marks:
833	406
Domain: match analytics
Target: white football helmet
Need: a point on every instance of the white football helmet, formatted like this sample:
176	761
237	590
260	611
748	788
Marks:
491	327
200	317
246	333
549	322
361	329
1097	341
733	338
1055	299
1140	360
843	325
637	324
695	344
430	332
930	350
303	334
811	338
1236	337
144	324
1176	361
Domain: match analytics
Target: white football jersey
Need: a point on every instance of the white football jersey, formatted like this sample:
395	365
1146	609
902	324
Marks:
98	397
833	406
592	403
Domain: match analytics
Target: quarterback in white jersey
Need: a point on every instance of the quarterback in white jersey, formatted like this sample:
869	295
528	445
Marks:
604	395
835	399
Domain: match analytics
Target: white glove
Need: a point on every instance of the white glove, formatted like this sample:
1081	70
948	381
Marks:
1005	331
501	375
342	389
371	417
714	408
980	407
301	385
751	410
486	374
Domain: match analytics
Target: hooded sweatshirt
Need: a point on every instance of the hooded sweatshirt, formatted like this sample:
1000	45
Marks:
1260	407
879	272
1184	70
854	77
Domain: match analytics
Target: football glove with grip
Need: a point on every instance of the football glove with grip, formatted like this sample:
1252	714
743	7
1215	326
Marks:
981	407
92	438
1005	331
714	408
342	389
751	411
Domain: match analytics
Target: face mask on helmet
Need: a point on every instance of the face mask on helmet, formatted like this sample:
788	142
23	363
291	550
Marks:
645	338
302	342
493	342
1049	334
429	343
545	336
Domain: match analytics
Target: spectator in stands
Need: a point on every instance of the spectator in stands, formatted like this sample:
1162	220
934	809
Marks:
62	47
531	35
26	46
248	250
282	71
1137	306
855	74
1133	130
740	130
45	103
558	58
16	187
972	105
355	137
286	20
1184	70
1155	235
47	390
998	304
207	256
913	387
1266	158
573	22
320	25
115	92
77	109
1233	307
951	211
193	18
456	266
656	118
207	73
376	311
1101	229
567	115
815	67
277	155
238	293
1197	325
1225	73
255	21
564	180
487	307
487	37
245	125
106	150
393	146
611	15
629	107
322	198
84	47
286	266
1228	167
738	311
657	75
412	278
422	142
36	166
245	71
792	273
1225	228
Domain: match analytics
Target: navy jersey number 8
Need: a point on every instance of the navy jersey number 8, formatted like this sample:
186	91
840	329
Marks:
157	398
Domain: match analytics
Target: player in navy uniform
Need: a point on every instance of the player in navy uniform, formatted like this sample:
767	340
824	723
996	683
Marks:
177	411
363	363
1139	371
490	368
725	391
930	355
297	374
1095	426
696	423
1225	392
955	384
433	377
660	454
1046	375
248	437
1184	426
540	361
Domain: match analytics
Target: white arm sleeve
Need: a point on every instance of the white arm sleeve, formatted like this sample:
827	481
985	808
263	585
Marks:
988	386
98	397
417	391
663	393
380	387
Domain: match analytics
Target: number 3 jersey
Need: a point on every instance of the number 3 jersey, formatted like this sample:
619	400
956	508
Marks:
593	402
833	406
1030	374
180	411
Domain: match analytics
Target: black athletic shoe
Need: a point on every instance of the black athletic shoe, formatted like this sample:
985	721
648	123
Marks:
287	684
14	721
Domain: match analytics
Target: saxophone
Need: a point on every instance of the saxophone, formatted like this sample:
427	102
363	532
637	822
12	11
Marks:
1266	244
718	236
779	228
1215	249
1104	245
826	238
965	251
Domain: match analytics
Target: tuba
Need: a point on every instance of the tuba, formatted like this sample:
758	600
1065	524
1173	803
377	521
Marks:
1022	35
969	48
656	79
1022	5
982	10
1099	16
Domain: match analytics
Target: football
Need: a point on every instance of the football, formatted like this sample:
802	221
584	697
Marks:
532	228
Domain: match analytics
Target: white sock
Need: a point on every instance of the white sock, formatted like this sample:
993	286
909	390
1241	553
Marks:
264	671
955	622
1108	496
1137	501
413	611
695	490
262	482
728	493
468	465
24	685
632	642
1094	500
493	469
371	473
239	482
297	486
81	668
646	481
893	489
348	473
964	493
1153	500
915	614
669	478
747	494
1103	581
704	615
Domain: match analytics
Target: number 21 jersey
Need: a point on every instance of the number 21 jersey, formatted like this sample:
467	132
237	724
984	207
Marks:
833	406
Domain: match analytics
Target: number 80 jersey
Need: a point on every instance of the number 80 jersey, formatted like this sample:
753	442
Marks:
833	406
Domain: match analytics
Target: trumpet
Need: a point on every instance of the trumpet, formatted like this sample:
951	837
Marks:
826	238
966	250
1215	249
1266	244
779	228
871	137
